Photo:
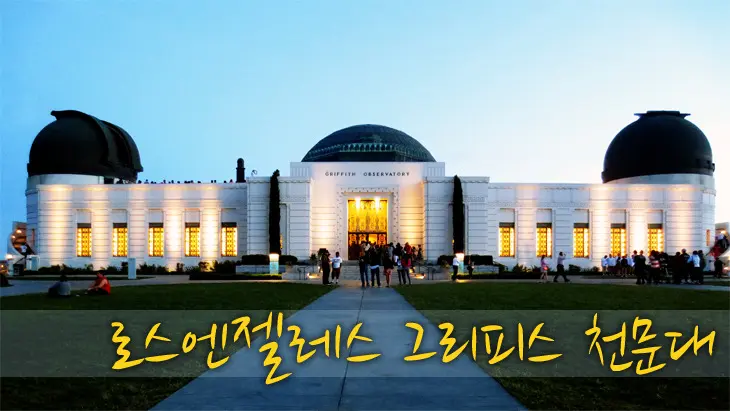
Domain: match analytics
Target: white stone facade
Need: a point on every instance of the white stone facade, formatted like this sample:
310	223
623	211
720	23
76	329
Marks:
314	213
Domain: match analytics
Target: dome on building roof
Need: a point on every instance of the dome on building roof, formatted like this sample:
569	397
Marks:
659	142
77	143
368	143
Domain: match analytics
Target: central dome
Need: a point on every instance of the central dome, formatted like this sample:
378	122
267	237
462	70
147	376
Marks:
368	143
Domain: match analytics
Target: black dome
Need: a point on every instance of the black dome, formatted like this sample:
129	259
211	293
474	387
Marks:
368	143
77	143
659	142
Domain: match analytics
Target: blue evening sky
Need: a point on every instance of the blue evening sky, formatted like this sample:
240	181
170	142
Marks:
521	91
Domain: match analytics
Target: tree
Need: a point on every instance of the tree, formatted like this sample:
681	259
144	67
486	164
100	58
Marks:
458	216
274	215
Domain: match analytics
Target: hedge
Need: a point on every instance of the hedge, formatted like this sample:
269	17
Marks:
262	259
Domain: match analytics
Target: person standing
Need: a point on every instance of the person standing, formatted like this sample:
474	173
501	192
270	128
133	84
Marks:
543	270
696	273
374	262
325	264
604	264
718	268
640	268
455	265
336	267
388	267
655	267
406	267
364	279
561	268
470	268
630	262
686	266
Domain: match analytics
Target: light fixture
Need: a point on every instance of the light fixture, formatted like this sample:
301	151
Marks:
18	231
377	203
357	203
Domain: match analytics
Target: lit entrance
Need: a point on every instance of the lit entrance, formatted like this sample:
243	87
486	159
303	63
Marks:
367	220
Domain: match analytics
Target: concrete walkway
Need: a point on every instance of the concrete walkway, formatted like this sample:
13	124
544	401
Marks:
385	383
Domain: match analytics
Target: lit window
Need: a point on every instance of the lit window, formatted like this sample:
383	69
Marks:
618	239
506	240
229	240
83	240
192	239
119	240
581	241
708	237
156	240
656	238
544	240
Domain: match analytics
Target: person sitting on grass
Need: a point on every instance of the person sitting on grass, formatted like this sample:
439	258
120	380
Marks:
100	286
61	289
4	280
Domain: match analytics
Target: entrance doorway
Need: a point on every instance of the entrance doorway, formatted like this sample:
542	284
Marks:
367	220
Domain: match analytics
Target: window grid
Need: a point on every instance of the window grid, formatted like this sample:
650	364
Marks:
545	241
192	241
506	241
229	240
156	241
83	242
618	241
581	242
656	239
119	242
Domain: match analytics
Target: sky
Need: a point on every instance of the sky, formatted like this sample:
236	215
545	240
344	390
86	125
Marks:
519	90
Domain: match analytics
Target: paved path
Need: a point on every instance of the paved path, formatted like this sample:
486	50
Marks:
385	383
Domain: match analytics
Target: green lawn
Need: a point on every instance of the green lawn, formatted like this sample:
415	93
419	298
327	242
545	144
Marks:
201	302
719	283
77	278
522	300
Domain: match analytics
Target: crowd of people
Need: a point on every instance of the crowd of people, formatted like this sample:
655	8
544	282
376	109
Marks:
171	182
682	267
371	257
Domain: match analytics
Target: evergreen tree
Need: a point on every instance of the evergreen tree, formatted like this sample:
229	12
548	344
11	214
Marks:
274	215
458	216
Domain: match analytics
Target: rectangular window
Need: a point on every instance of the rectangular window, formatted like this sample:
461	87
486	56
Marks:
618	239
83	240
708	237
229	240
119	240
544	239
156	240
581	240
192	239
506	239
656	237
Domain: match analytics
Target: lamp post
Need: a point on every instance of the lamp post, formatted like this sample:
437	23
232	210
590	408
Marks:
273	263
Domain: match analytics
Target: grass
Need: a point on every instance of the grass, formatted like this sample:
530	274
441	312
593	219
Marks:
718	283
572	393
133	393
77	278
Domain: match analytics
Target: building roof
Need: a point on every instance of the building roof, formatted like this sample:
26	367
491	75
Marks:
77	143
659	142
368	143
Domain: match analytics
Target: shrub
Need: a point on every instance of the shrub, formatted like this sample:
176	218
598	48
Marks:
477	259
225	267
444	260
519	268
112	270
255	259
573	268
193	269
288	260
